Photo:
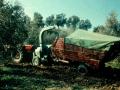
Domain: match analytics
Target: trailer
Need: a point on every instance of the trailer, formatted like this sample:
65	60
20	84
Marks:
87	50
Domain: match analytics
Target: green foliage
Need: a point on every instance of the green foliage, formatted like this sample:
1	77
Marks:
27	23
1	3
100	29
60	19
111	27
38	20
12	24
72	21
85	24
34	27
113	24
111	20
33	37
50	20
77	87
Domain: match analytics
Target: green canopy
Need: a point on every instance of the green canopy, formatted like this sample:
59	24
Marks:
91	40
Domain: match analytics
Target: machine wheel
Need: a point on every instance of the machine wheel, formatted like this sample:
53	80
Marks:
17	56
82	69
35	60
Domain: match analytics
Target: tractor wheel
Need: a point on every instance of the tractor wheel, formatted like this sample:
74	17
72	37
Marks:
82	69
35	60
17	56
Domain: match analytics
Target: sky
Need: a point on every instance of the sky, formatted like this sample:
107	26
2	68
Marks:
94	10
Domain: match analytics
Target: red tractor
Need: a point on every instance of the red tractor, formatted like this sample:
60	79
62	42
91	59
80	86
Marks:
23	54
29	53
83	49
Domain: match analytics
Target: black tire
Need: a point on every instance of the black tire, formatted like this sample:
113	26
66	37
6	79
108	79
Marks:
82	69
35	60
17	56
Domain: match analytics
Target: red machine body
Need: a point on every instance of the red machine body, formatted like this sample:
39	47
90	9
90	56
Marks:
73	53
27	51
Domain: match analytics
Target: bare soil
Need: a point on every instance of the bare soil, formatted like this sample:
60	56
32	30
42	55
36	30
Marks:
56	77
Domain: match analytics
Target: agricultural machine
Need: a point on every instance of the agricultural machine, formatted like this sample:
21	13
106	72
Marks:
83	49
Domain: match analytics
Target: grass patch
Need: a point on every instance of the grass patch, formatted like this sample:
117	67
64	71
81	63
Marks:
6	69
77	87
114	64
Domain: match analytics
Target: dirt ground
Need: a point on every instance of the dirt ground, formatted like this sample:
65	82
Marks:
59	77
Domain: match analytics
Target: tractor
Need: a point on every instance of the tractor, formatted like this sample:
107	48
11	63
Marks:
35	55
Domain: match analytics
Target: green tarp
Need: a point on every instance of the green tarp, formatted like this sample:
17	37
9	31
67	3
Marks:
91	40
